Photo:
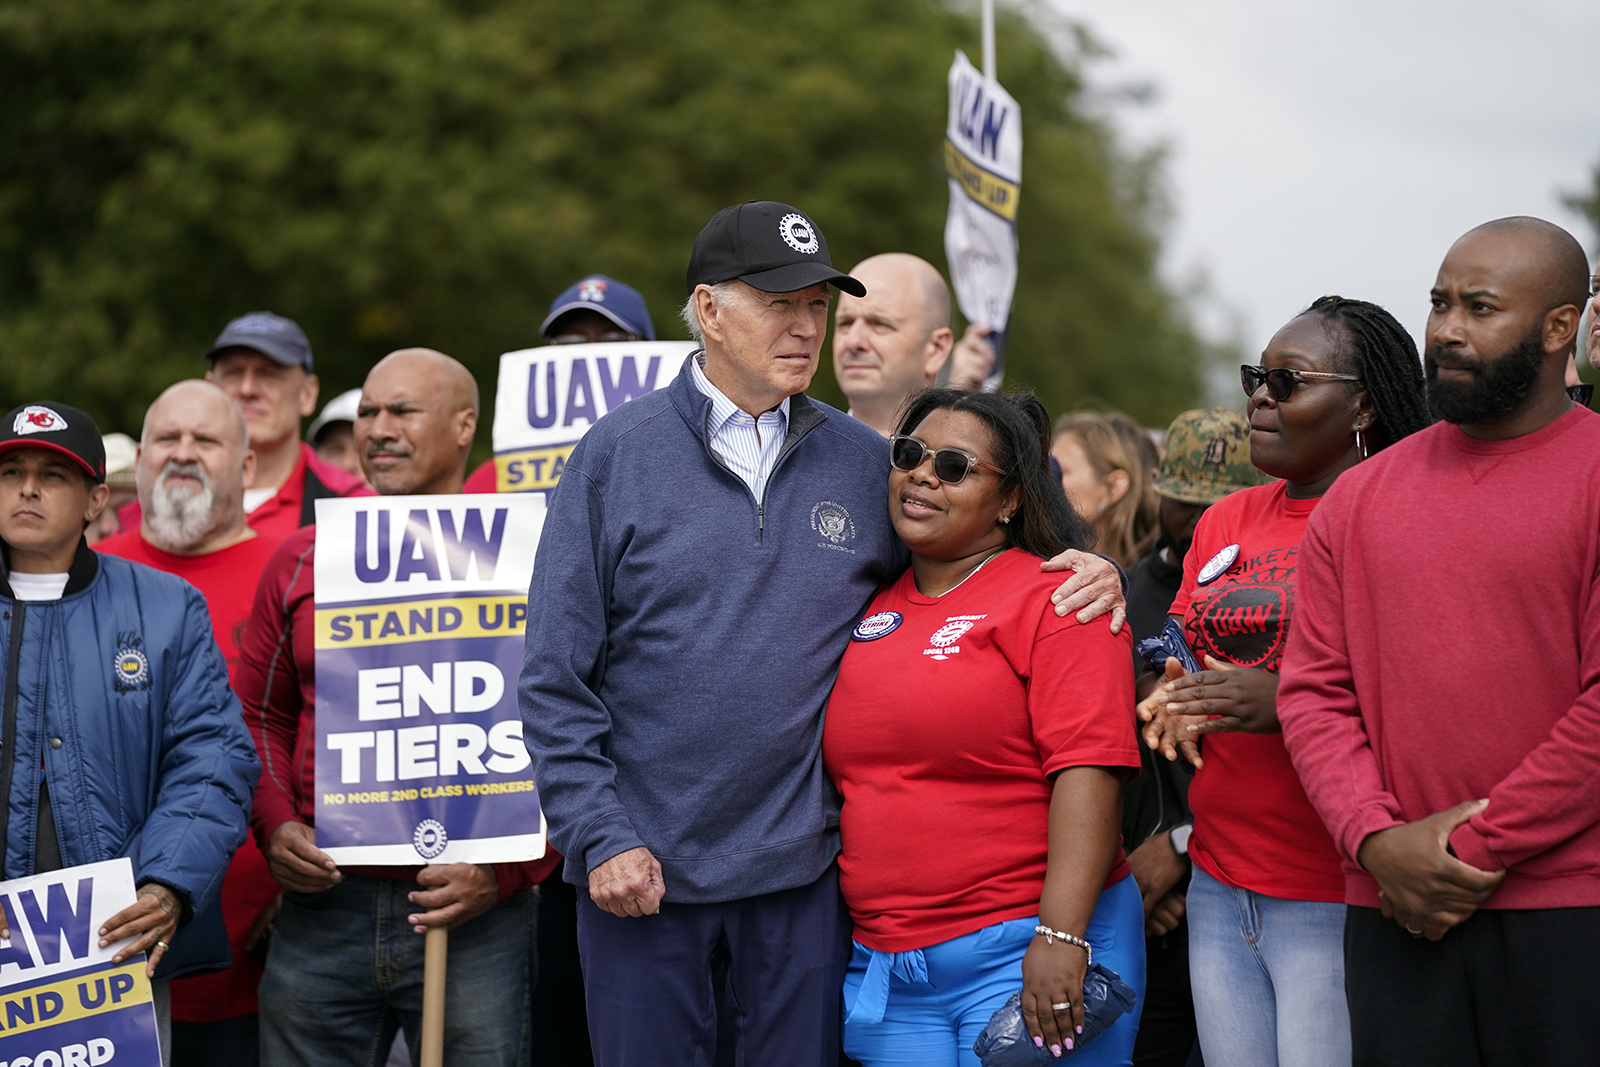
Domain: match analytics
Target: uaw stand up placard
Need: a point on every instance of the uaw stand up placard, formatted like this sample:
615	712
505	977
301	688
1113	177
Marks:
63	1003
421	608
547	399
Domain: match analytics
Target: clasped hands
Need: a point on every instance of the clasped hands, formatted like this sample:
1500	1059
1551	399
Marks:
1421	886
1223	699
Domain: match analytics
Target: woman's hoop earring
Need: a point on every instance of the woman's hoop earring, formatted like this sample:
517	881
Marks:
1361	444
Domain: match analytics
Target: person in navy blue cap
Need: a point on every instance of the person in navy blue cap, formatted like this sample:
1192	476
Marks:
598	310
724	516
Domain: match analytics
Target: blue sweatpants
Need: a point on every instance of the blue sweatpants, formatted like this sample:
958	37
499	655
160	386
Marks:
926	1007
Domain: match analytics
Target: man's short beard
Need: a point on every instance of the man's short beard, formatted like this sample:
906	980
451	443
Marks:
1496	389
181	520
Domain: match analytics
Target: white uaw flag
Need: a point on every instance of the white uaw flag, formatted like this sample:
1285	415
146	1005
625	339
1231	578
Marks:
983	155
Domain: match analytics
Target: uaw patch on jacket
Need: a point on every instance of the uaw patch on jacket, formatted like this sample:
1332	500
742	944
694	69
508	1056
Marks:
130	667
421	610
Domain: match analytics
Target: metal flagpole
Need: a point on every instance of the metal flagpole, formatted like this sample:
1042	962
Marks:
988	39
434	951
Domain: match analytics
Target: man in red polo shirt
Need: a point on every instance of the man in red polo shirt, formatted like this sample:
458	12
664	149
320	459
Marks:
264	362
194	461
347	953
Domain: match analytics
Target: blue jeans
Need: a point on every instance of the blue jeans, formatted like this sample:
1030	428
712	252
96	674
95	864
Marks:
937	1000
344	972
1268	977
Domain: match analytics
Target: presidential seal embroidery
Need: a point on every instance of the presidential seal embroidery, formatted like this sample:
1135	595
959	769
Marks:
881	624
832	521
429	839
1218	564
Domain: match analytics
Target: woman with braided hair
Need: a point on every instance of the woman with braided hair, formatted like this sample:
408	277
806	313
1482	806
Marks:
1266	902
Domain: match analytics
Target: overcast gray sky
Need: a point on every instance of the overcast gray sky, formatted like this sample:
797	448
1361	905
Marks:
1321	147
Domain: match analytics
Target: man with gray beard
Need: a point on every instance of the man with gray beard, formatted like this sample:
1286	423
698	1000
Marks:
194	462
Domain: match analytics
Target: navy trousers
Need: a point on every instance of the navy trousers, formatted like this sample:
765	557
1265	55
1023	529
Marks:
650	993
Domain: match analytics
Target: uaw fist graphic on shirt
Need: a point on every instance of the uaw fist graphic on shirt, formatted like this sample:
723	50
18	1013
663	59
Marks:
1244	617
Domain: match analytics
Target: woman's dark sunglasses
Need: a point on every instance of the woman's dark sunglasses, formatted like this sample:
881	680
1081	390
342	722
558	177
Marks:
1280	381
950	465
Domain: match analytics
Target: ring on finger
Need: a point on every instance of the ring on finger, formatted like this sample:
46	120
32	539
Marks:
162	945
1065	1005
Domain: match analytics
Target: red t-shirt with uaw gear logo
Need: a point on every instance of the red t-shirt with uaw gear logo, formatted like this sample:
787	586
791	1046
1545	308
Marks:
950	717
1253	826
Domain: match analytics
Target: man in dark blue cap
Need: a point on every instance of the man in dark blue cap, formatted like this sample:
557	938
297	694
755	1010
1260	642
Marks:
594	310
724	514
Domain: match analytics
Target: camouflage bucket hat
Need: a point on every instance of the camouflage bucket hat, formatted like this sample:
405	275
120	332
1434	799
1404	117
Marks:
1207	457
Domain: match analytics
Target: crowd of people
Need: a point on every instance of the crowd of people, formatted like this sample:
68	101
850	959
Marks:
838	719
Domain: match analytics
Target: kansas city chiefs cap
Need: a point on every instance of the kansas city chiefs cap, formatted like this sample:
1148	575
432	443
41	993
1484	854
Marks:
58	428
770	246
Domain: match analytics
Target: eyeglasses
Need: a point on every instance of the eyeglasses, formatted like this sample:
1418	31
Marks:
950	465
1280	381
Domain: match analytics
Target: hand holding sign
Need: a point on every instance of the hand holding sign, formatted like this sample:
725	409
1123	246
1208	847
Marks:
464	892
150	921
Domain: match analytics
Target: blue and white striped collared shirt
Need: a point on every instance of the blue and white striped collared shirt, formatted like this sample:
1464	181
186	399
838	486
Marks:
748	446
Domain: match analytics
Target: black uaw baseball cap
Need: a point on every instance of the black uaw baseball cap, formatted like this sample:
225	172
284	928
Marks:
56	428
770	246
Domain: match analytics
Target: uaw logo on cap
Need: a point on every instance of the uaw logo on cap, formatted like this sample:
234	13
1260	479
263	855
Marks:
36	418
798	234
260	323
881	624
429	839
130	667
833	522
593	290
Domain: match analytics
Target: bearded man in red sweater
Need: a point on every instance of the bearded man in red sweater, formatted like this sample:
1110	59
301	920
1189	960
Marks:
1440	694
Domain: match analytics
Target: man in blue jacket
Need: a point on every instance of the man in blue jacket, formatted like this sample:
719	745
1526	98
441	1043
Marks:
706	553
119	736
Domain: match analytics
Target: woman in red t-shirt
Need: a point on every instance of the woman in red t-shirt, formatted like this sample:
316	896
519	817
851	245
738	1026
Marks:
1265	902
980	744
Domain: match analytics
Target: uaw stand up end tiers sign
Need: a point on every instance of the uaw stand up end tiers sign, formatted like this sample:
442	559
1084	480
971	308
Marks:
63	1003
421	609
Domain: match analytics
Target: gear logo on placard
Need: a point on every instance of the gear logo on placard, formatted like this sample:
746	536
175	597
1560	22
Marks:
429	839
798	234
36	418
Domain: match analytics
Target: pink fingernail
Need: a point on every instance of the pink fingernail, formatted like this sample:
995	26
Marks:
1055	1050
1080	1029
1069	1042
1038	1042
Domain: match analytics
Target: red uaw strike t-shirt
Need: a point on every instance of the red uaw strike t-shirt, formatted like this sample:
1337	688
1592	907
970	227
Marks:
949	716
227	579
1253	826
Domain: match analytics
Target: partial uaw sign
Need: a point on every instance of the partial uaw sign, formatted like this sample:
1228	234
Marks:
548	398
63	1003
421	606
983	157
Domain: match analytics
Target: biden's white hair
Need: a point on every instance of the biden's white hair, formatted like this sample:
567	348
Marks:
721	293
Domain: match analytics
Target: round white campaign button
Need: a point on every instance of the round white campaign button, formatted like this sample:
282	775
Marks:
1218	563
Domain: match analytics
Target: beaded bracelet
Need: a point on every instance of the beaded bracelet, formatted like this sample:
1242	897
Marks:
1051	936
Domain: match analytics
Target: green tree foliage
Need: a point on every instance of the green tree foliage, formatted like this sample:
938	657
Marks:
425	172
